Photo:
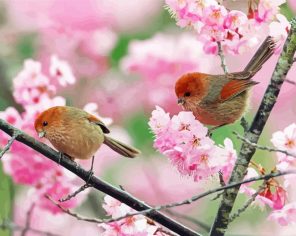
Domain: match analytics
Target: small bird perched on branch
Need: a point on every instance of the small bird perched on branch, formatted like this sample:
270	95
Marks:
77	133
218	100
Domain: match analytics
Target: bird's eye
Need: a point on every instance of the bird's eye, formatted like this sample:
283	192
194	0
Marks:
187	94
44	123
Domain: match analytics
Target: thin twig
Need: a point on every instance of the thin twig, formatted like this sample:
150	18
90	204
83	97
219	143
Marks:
248	203
70	196
265	148
222	183
222	58
175	204
8	145
6	225
28	220
290	81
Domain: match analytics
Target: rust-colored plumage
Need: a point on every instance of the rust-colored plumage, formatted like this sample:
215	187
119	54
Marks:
221	99
77	133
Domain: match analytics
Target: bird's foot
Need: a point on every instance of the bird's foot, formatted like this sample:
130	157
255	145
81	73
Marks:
210	130
61	155
91	173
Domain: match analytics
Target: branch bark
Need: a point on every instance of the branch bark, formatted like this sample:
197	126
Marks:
253	133
96	182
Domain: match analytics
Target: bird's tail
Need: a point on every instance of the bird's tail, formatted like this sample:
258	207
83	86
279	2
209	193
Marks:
121	148
263	53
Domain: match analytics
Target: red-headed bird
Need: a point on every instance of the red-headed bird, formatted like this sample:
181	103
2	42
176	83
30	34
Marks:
218	100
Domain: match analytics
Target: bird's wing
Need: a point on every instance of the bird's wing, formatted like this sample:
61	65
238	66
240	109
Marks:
243	75
96	121
234	88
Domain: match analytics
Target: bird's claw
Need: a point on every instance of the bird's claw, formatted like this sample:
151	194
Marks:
61	155
91	173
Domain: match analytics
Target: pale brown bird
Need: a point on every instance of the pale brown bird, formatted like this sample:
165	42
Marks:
218	100
77	133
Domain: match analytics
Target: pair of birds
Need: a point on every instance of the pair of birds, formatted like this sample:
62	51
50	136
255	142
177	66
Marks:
215	100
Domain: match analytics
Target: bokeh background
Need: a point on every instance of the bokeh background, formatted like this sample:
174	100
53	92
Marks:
125	57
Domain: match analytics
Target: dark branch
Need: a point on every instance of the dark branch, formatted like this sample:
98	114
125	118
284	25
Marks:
253	133
96	182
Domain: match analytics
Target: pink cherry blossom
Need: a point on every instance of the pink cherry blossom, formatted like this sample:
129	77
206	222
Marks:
272	195
160	61
214	15
132	225
267	9
279	30
25	166
114	207
57	185
184	141
62	71
231	156
30	84
214	23
284	216
286	139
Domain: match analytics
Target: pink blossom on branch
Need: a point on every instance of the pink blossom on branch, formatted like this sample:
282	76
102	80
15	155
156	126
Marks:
272	195
61	70
284	216
214	23
31	84
184	141
132	225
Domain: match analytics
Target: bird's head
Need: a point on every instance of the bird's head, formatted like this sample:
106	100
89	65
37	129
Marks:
190	88
46	121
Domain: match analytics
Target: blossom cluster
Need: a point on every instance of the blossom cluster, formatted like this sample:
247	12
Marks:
83	35
35	91
160	61
132	225
235	30
184	140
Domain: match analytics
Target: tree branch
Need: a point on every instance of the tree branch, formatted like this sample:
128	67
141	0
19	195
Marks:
28	220
246	152
96	182
174	204
222	58
264	148
8	145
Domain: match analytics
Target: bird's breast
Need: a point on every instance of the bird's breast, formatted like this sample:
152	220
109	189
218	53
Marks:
80	140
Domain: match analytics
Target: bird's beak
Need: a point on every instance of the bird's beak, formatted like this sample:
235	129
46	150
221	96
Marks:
181	101
41	134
